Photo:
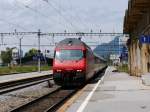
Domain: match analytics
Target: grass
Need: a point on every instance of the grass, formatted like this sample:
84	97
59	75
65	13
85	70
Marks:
123	68
21	69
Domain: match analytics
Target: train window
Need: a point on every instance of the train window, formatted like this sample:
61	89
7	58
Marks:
69	54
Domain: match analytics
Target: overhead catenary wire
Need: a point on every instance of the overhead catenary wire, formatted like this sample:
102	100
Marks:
66	19
38	12
13	24
47	45
35	45
47	17
82	21
75	16
18	26
32	9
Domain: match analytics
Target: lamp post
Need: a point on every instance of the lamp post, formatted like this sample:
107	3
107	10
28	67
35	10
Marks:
20	50
39	50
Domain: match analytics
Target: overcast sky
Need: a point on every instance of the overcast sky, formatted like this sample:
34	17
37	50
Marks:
60	15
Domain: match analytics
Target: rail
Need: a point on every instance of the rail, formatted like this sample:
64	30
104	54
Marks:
19	84
47	103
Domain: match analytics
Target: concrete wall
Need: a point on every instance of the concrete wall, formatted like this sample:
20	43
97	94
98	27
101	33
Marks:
139	54
139	58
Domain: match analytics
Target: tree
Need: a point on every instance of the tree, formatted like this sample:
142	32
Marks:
31	52
6	56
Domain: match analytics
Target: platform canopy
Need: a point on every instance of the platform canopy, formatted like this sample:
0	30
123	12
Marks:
134	13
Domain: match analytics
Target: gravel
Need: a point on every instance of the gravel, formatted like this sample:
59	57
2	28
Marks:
14	99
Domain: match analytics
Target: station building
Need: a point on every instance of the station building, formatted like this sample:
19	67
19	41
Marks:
137	23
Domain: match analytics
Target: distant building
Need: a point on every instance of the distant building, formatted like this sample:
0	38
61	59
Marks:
115	58
15	56
48	54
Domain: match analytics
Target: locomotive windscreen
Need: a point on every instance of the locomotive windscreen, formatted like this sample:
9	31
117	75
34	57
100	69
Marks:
69	54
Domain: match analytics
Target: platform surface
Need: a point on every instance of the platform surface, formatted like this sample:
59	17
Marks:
117	92
14	77
146	79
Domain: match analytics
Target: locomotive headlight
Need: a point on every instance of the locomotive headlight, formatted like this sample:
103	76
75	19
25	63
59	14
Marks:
79	70
58	70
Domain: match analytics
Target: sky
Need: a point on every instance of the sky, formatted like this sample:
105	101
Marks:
61	15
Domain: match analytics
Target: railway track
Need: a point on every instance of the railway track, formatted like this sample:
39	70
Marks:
47	103
16	85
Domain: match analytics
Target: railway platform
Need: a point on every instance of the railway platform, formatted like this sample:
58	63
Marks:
115	92
22	76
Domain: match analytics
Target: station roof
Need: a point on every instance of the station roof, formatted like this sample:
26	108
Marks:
135	11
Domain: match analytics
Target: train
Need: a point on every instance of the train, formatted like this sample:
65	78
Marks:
75	63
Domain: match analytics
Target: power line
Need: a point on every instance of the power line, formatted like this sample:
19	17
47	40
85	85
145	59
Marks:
86	34
36	11
114	44
27	6
68	34
66	19
32	9
74	16
83	21
77	16
10	23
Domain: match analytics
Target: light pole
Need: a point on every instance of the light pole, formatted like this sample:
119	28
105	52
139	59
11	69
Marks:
39	51
20	50
91	32
100	36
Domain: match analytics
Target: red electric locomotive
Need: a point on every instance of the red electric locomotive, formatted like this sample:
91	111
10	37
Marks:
74	62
